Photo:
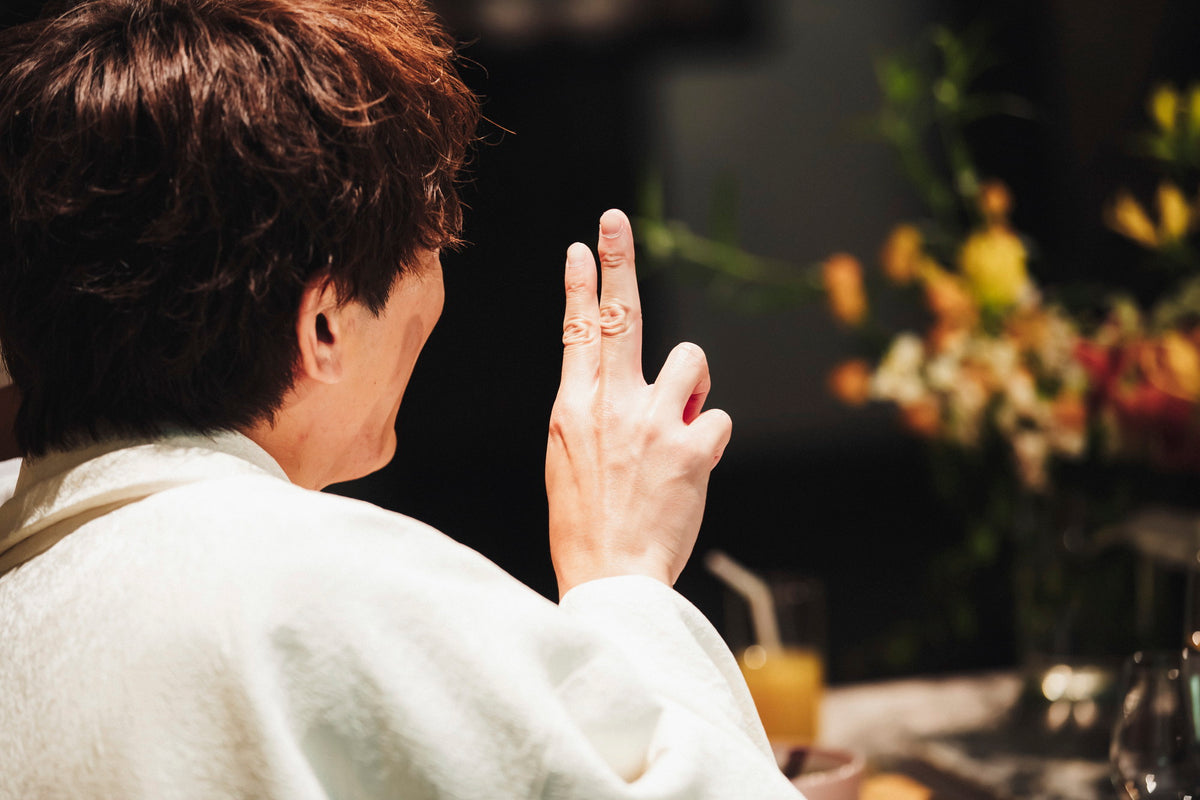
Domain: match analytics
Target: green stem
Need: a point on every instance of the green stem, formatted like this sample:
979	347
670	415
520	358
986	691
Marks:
962	166
676	240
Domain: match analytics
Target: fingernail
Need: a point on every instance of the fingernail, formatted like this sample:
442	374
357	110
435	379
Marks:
577	253
610	224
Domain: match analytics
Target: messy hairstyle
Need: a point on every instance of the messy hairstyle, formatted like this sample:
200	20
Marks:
174	173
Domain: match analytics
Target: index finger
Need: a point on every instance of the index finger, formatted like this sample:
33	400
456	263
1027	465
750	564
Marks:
581	319
620	305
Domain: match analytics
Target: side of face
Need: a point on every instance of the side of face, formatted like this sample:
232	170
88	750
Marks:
380	354
338	420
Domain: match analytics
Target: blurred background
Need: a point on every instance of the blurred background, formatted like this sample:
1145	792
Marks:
588	102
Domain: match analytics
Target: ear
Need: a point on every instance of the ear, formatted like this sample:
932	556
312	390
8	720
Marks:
319	332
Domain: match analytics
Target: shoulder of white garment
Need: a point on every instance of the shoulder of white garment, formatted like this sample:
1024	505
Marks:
370	632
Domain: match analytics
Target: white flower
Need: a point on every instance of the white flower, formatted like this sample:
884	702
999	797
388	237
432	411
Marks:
1067	441
1031	449
899	375
999	356
944	372
968	400
1021	392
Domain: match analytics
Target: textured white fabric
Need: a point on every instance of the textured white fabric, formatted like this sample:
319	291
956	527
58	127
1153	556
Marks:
8	478
223	633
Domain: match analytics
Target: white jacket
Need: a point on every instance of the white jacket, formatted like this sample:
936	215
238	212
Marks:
206	629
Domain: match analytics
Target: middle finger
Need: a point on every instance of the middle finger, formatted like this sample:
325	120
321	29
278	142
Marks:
620	306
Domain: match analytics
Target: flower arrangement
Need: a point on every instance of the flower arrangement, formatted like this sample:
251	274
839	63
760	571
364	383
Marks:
997	357
1091	404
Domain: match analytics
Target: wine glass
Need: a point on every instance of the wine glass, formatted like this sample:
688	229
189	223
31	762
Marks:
1154	748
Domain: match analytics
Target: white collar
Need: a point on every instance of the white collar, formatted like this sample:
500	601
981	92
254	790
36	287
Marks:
59	487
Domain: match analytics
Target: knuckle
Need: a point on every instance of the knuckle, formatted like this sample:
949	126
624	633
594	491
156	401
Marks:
616	318
577	283
560	420
564	417
690	353
613	259
723	422
578	331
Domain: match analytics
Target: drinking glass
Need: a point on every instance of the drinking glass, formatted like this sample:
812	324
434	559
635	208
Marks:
1153	752
786	682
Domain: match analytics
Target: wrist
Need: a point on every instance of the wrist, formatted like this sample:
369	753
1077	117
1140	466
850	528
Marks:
572	575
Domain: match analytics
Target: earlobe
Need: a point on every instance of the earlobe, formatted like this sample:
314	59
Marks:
318	334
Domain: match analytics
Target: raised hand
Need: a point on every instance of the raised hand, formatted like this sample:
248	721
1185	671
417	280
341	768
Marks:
627	463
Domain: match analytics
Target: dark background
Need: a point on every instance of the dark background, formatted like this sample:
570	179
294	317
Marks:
806	485
583	98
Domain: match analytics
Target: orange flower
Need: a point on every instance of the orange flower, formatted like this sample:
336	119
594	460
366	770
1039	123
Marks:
1028	330
923	417
901	254
995	202
948	298
1069	411
944	336
844	284
1067	434
850	382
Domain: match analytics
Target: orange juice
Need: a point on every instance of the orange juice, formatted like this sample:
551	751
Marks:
786	685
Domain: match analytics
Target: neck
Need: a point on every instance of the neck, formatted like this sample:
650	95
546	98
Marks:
306	449
312	443
294	454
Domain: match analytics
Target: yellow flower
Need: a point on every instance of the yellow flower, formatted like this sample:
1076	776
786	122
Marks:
1172	365
901	254
993	262
1127	217
1174	216
1194	107
844	284
850	382
1164	107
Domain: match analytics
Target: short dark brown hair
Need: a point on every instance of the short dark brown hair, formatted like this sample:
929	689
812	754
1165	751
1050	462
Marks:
174	173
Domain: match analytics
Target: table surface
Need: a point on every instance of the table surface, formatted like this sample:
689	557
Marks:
957	736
